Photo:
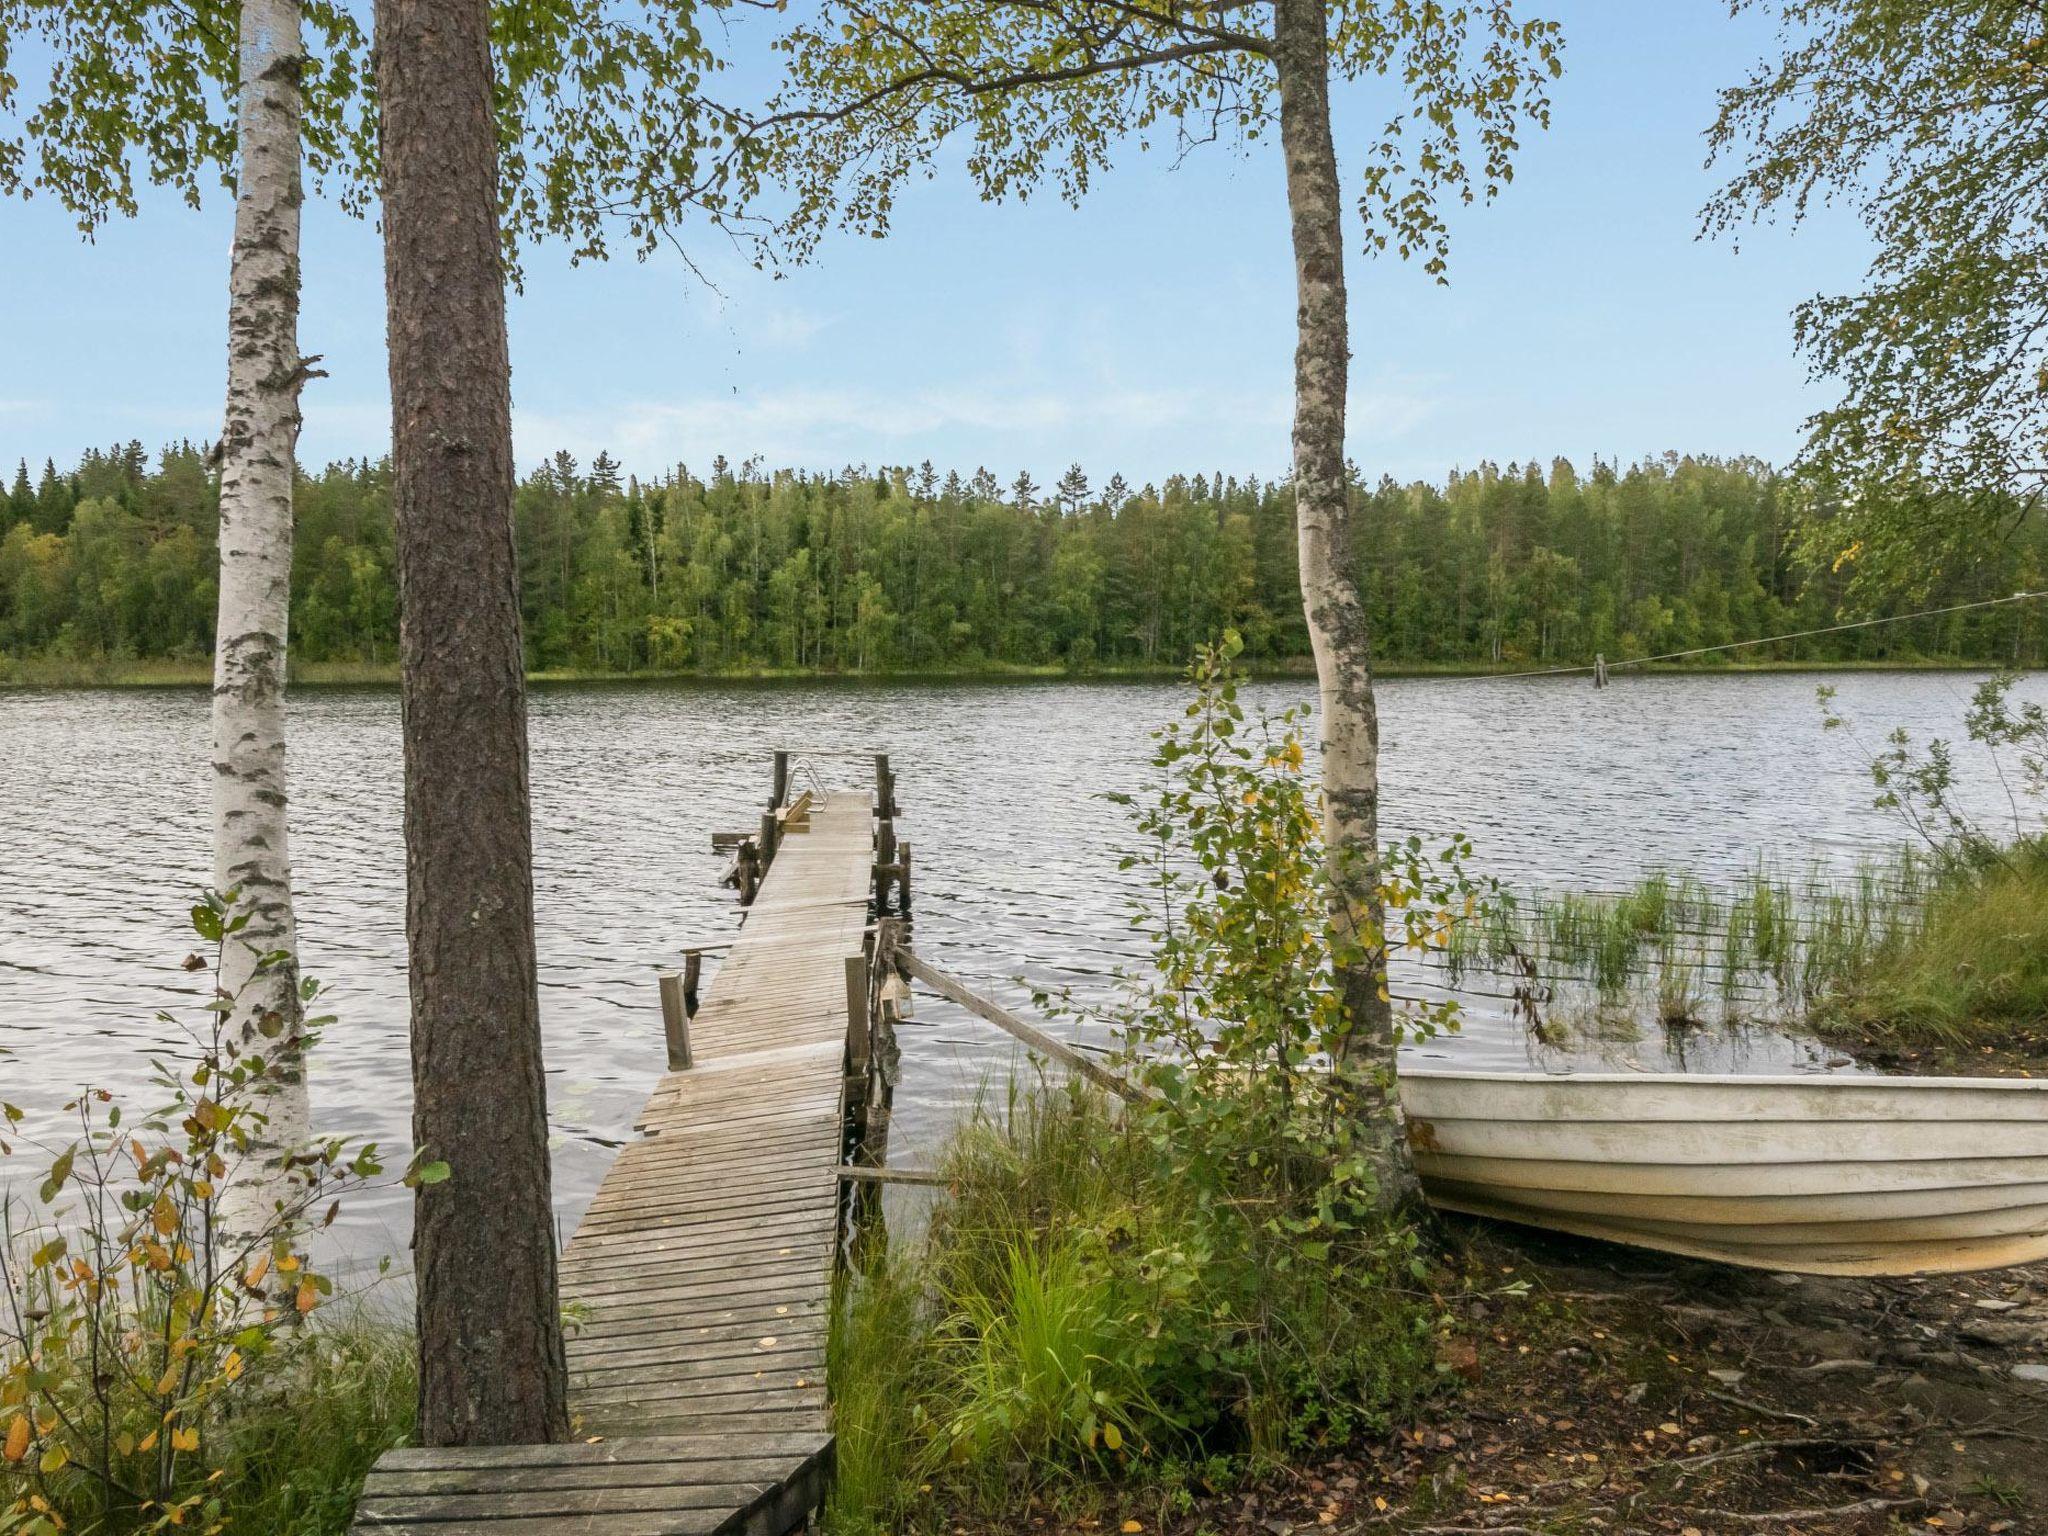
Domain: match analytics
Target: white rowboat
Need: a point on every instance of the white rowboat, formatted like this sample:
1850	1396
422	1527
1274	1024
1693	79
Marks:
1814	1175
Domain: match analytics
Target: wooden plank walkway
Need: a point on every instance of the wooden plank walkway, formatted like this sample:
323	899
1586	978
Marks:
699	1281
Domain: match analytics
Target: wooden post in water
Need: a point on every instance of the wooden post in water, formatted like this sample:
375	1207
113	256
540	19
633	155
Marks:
771	834
868	1227
693	973
675	1019
885	863
885	788
1599	670
903	881
781	789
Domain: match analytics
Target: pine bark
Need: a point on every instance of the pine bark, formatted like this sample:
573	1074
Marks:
1337	627
491	1361
259	441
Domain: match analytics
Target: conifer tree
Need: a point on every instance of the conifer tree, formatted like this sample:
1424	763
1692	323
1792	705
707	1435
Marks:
1072	490
21	500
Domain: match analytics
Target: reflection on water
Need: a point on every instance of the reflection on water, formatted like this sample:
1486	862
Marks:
103	838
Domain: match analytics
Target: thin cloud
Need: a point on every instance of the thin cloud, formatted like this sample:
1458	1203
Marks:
980	421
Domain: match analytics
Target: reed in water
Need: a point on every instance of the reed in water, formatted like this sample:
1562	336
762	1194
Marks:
1928	947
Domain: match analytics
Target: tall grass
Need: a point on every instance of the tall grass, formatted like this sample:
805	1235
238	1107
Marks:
1073	1324
295	1466
1971	969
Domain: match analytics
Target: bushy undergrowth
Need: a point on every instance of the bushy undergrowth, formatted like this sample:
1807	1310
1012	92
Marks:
1145	1294
162	1366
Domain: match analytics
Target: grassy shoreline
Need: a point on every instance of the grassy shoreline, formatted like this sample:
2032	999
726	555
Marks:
53	672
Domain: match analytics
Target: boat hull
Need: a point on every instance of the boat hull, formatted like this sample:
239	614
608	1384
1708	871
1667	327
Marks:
1811	1175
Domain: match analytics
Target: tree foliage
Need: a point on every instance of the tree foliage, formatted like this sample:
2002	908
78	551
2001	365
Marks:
736	569
1046	91
604	125
1925	117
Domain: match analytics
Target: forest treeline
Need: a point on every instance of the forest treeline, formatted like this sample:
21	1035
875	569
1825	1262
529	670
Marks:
910	570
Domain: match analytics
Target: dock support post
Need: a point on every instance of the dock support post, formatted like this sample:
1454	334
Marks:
693	973
857	1014
903	881
781	790
885	788
675	1020
867	1223
885	863
771	834
1599	670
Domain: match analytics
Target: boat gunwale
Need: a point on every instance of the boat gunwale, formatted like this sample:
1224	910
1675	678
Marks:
1866	1081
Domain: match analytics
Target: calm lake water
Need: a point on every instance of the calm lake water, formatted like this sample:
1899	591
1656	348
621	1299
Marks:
103	840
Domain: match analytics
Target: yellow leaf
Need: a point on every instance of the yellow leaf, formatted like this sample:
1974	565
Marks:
309	1297
17	1438
165	1216
231	1367
257	1271
1112	1437
185	1439
148	1444
1129	1526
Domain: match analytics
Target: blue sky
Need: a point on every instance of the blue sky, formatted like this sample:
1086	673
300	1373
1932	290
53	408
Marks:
1148	331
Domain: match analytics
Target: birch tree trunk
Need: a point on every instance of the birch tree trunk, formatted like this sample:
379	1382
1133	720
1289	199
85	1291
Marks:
490	1331
1329	587
252	854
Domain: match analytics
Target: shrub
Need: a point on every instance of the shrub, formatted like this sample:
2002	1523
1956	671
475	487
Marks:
1112	1292
158	1370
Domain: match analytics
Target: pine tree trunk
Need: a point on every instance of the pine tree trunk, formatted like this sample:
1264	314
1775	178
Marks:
491	1363
1329	588
259	437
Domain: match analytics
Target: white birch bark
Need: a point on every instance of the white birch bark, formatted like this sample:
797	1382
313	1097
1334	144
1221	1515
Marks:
252	856
1337	627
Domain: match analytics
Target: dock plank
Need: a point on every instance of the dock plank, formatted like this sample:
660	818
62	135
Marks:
697	1283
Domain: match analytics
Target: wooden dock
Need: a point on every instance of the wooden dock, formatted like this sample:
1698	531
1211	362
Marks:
698	1286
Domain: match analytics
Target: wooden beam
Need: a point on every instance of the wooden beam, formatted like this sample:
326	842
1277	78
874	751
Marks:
956	990
849	1174
675	1020
857	1041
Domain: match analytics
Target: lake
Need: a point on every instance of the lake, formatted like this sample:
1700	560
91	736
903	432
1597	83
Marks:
104	840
